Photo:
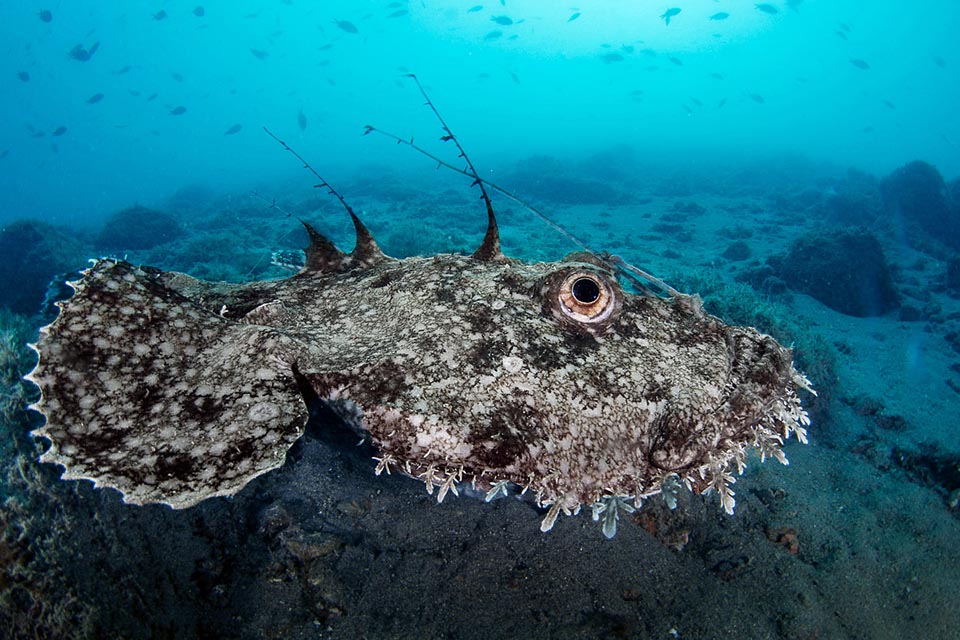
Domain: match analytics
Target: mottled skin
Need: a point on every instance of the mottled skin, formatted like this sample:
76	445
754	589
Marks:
458	369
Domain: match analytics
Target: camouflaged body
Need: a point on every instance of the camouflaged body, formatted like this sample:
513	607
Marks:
173	390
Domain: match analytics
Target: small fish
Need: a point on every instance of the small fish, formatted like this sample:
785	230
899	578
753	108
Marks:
45	15
135	93
95	98
840	34
24	76
232	130
612	57
475	8
493	35
394	5
81	54
696	102
859	64
260	54
767	8
794	4
676	61
301	120
722	15
178	111
889	104
573	17
160	15
722	102
844	26
199	11
4	153
716	76
347	26
669	13
756	97
152	97
515	77
505	21
398	13
123	70
627	48
940	62
59	131
177	76
687	110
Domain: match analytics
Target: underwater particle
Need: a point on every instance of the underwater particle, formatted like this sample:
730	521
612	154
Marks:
45	15
475	8
504	21
670	13
178	110
767	8
573	17
720	15
23	76
95	98
259	54
232	130
301	120
160	15
493	35
860	64
347	26
199	11
81	54
59	131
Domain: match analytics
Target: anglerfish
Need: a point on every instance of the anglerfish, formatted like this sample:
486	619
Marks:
549	379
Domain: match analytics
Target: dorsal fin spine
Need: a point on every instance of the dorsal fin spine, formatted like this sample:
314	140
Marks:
322	255
366	252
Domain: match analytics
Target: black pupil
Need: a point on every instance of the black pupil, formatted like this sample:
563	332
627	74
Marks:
585	291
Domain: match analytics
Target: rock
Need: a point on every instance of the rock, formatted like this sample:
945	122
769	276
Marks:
845	270
953	274
737	251
917	192
138	227
33	253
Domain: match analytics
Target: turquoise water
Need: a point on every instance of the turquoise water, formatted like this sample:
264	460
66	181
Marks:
685	94
793	162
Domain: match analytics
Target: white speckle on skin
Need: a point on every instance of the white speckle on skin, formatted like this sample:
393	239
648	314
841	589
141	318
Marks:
263	411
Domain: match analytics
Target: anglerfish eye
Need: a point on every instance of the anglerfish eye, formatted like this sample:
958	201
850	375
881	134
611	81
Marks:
587	297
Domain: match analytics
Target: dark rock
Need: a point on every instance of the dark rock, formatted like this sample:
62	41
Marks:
953	274
33	253
917	192
737	251
138	227
845	270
